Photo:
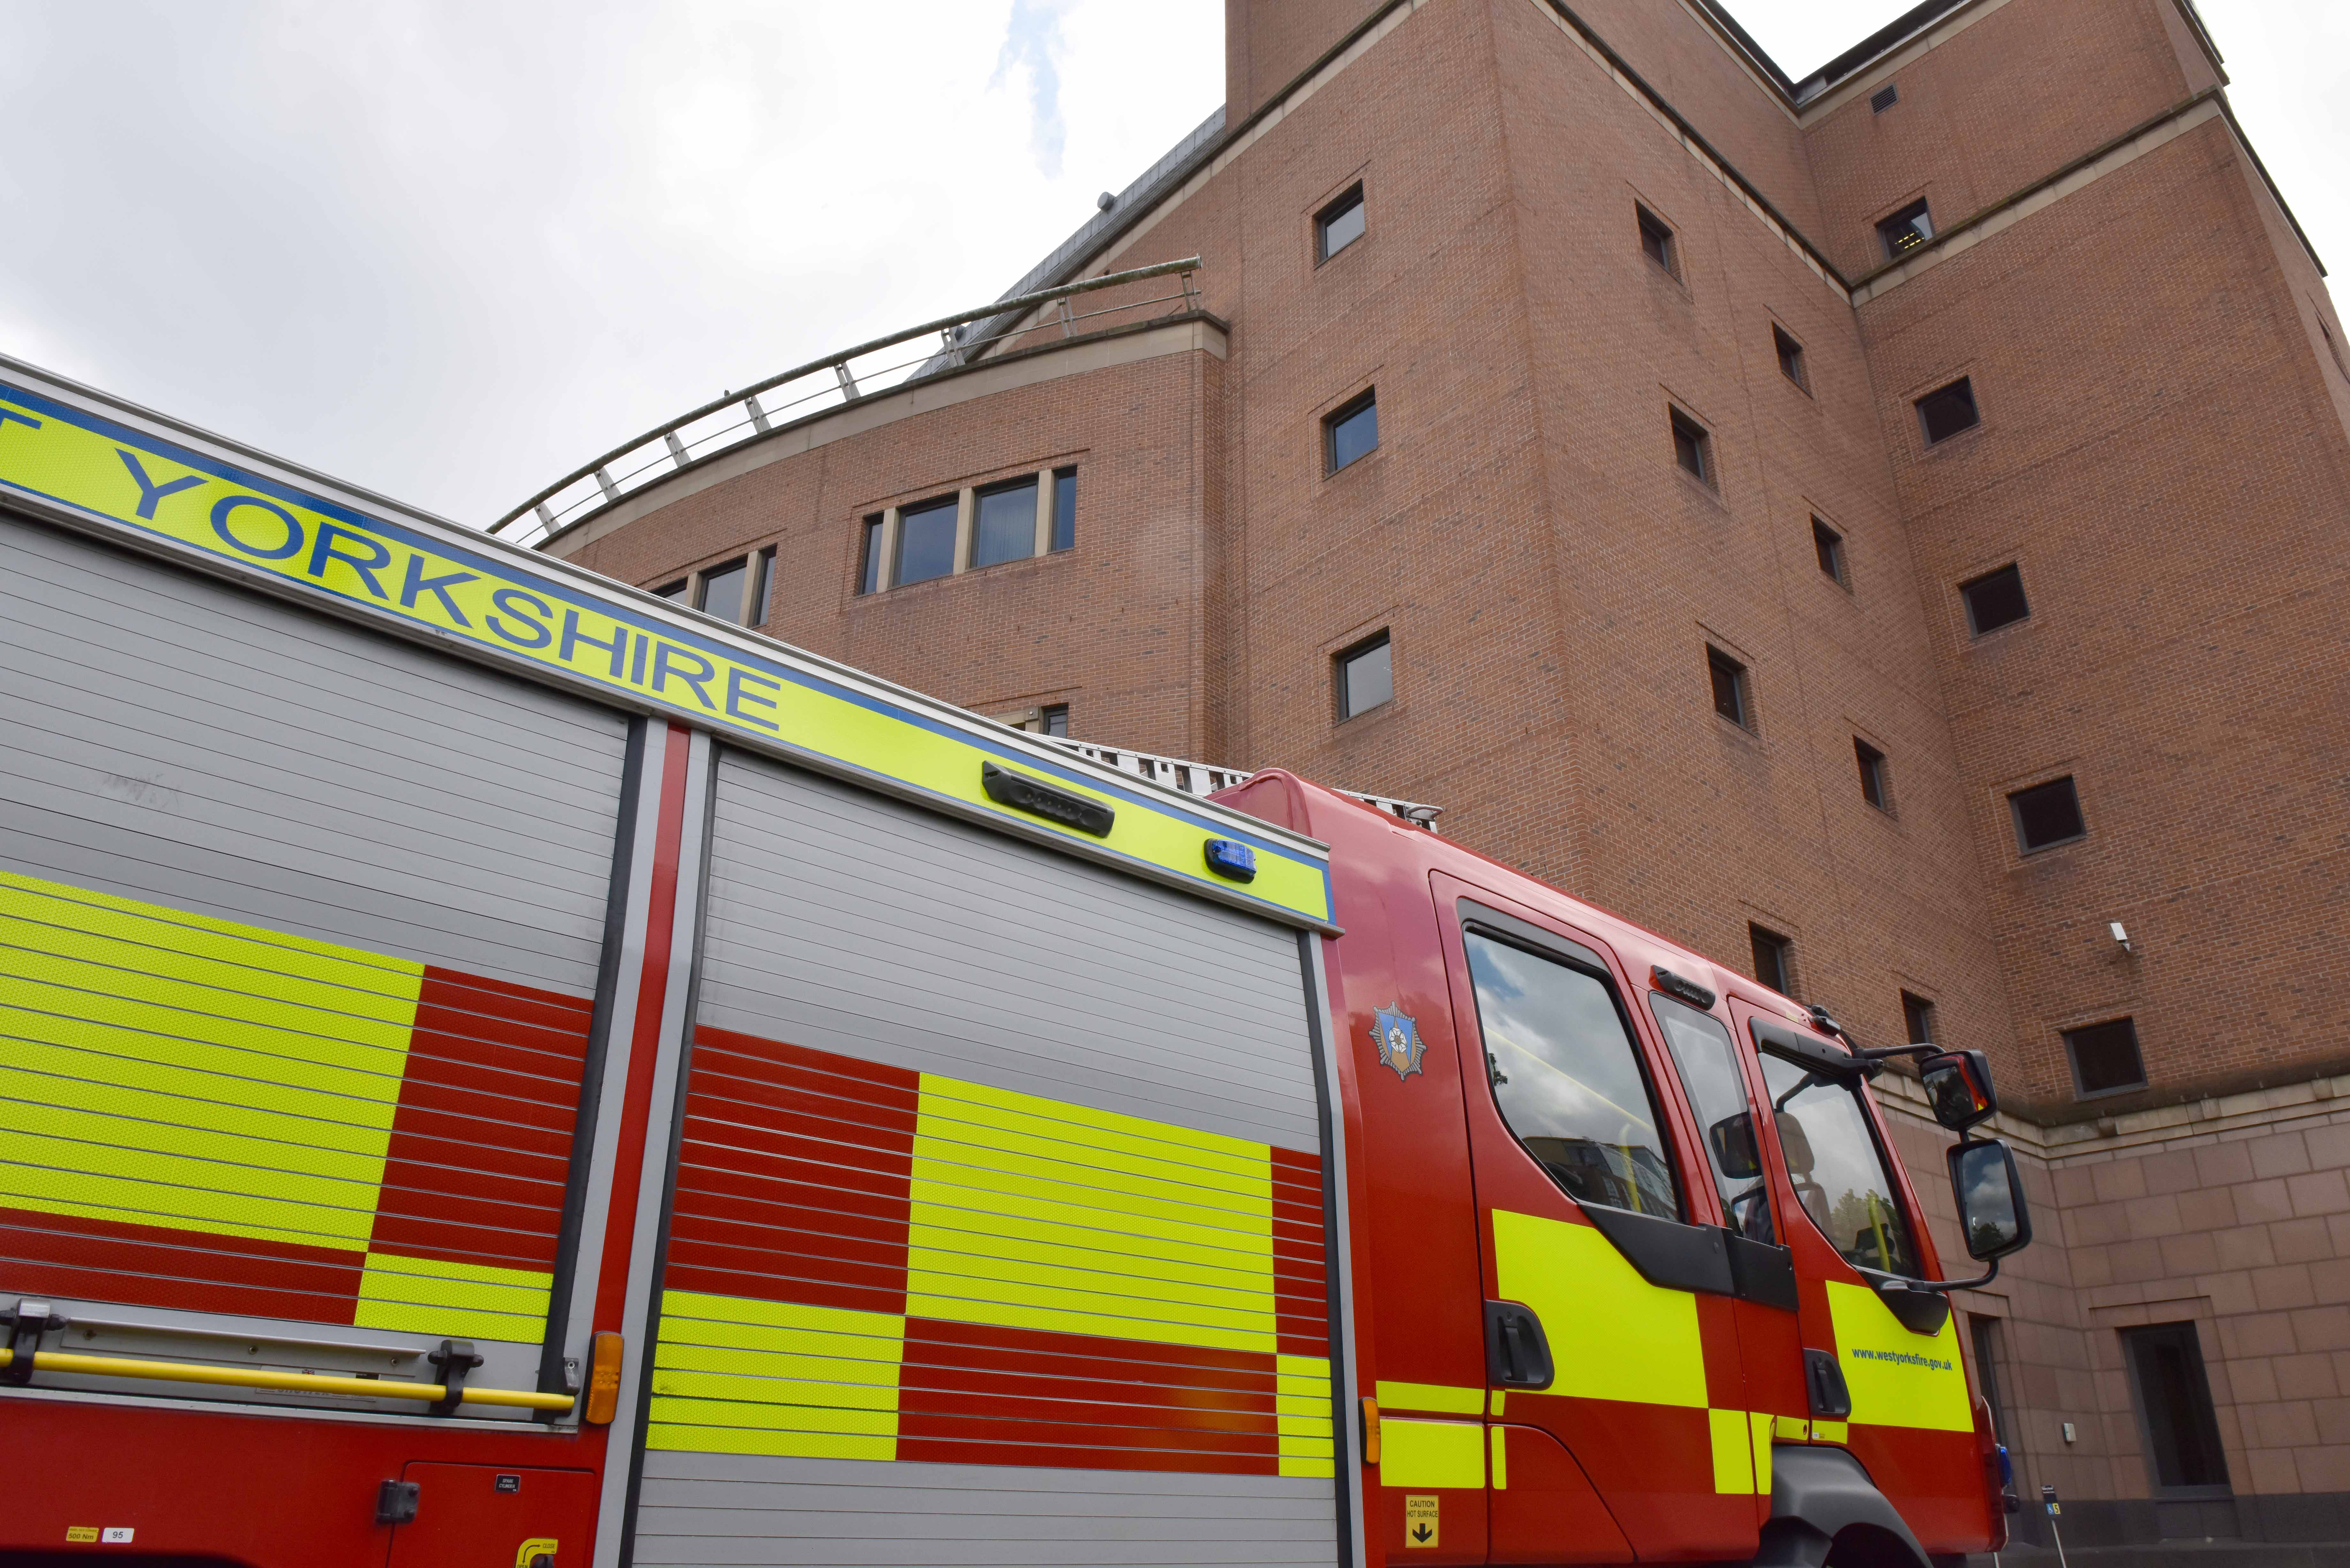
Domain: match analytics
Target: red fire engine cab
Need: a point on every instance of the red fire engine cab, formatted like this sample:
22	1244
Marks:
500	1069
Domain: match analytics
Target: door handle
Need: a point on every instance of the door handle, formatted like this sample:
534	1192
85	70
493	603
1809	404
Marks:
1517	1355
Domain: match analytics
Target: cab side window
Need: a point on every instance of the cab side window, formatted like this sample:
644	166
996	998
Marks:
1839	1173
1708	1064
1566	1076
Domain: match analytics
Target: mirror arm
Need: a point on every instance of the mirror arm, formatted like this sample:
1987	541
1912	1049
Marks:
1974	1284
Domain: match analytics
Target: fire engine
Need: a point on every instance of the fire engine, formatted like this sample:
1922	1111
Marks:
502	1069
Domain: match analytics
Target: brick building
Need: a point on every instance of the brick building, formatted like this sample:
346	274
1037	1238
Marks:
1891	524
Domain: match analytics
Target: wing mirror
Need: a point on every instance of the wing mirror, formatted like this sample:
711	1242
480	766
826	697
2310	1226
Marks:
1992	1210
1958	1085
1734	1156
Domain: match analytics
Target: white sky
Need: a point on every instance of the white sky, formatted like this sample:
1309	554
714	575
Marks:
452	250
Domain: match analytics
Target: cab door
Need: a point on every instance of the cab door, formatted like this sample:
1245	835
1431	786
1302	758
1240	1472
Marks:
1612	1348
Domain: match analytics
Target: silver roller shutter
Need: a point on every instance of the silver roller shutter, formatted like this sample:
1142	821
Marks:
299	928
1000	1176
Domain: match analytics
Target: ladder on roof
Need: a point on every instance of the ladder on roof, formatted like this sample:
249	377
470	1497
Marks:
1201	779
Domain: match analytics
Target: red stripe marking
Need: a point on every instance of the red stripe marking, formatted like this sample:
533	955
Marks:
154	1265
644	1040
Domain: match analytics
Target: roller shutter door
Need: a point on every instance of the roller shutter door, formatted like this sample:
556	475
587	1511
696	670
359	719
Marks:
299	928
996	1233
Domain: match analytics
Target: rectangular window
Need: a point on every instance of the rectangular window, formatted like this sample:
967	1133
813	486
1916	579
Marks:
1005	529
722	591
1841	1175
1339	225
1827	545
675	590
1906	230
1656	241
1692	448
925	542
1884	97
1366	676
763	579
2047	814
1876	787
1790	357
1729	690
1947	410
1995	599
1708	1064
1918	1019
1567	1078
2105	1058
1774	958
1352	433
2174	1400
1055	719
1065	509
869	567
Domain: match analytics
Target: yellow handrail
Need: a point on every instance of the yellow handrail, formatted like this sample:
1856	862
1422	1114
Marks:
299	1382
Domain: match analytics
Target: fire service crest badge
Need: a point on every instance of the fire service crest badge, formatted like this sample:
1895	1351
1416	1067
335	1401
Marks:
1396	1033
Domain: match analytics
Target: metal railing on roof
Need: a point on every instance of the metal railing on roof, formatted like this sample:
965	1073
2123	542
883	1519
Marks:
1200	779
739	416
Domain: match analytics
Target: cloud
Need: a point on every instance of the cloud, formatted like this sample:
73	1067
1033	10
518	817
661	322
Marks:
1031	42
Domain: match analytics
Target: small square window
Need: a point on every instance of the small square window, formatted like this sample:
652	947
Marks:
1730	692
1065	509
868	565
1906	230
675	590
1790	357
1947	410
1916	1019
1656	241
1995	599
2047	814
1339	225
722	591
1827	547
1352	433
1692	447
1774	958
925	542
1006	528
2106	1058
1366	676
1884	97
1055	719
1875	786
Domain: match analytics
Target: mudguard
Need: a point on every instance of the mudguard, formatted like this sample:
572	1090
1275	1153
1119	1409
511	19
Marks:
1817	1495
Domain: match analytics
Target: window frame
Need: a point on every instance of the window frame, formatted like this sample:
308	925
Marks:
1917	1009
2208	1412
1924	421
1792	364
2024	845
1782	947
979	499
1666	257
1351	200
1875	776
675	592
870	573
952	503
1366	401
1828	553
1889	1168
1975	629
1906	218
1688	426
1050	715
1493	926
2081	1090
1717	661
1339	662
1063	533
1659	1003
701	580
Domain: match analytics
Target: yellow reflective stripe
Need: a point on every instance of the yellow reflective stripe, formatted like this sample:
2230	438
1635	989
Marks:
461	1300
1830	1432
1791	1428
1301	1416
1039	1214
517	613
1613	1335
1496	1411
173	1069
733	1375
1443	1399
1897	1378
1762	1423
1501	1458
1430	1453
1733	1452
